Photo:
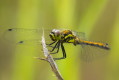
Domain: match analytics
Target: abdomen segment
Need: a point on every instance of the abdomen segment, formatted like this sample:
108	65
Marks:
96	44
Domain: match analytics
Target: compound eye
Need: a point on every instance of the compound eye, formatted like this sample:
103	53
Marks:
55	32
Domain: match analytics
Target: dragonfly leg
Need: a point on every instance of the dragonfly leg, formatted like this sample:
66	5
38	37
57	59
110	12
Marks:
55	46
63	51
51	44
58	46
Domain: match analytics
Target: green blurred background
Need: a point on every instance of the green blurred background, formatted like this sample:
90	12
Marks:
99	19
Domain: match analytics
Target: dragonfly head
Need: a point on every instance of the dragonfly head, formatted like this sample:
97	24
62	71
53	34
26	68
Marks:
54	34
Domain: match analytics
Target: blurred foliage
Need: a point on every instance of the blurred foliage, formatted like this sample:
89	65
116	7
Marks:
99	19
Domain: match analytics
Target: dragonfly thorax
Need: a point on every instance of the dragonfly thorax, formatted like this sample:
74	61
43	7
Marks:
65	36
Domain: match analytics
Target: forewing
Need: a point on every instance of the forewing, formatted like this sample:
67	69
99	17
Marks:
24	36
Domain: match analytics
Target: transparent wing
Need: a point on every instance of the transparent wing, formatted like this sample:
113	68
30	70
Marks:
80	35
24	36
90	53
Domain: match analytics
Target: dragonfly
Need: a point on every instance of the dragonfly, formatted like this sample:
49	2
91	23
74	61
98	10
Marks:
58	38
67	36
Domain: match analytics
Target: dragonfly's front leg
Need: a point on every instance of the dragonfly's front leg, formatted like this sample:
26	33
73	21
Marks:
57	46
51	44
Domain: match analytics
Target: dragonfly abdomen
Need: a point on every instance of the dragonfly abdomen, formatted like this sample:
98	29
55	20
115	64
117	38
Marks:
96	44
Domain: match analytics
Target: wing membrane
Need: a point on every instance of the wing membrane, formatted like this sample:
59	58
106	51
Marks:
89	53
80	35
24	36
